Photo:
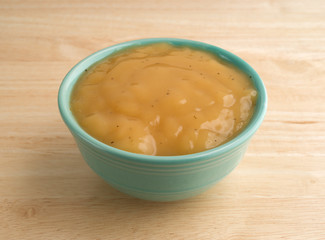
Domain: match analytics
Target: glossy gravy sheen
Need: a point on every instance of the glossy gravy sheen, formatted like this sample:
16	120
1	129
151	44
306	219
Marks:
163	100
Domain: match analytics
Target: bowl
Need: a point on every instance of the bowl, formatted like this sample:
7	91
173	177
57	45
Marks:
161	178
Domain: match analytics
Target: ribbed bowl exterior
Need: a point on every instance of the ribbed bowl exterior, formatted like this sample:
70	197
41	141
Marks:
156	178
160	182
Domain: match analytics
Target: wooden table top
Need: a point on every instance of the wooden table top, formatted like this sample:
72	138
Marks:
48	192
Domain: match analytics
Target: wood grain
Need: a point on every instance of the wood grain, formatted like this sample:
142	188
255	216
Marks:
48	192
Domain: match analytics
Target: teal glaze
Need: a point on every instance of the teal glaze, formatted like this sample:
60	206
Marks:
161	178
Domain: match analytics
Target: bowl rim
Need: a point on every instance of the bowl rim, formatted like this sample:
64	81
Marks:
73	75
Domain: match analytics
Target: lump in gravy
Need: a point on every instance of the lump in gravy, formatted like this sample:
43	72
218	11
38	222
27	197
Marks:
161	99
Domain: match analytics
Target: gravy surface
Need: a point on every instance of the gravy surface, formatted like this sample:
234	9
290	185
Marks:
161	99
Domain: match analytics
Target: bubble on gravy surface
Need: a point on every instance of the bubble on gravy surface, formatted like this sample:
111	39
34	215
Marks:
161	99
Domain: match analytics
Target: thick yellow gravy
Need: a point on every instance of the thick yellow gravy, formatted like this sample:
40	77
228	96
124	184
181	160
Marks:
163	100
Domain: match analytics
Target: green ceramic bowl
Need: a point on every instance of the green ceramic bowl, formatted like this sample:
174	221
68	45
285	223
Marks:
161	178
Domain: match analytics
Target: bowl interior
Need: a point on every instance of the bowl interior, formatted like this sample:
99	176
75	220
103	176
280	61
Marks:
72	77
